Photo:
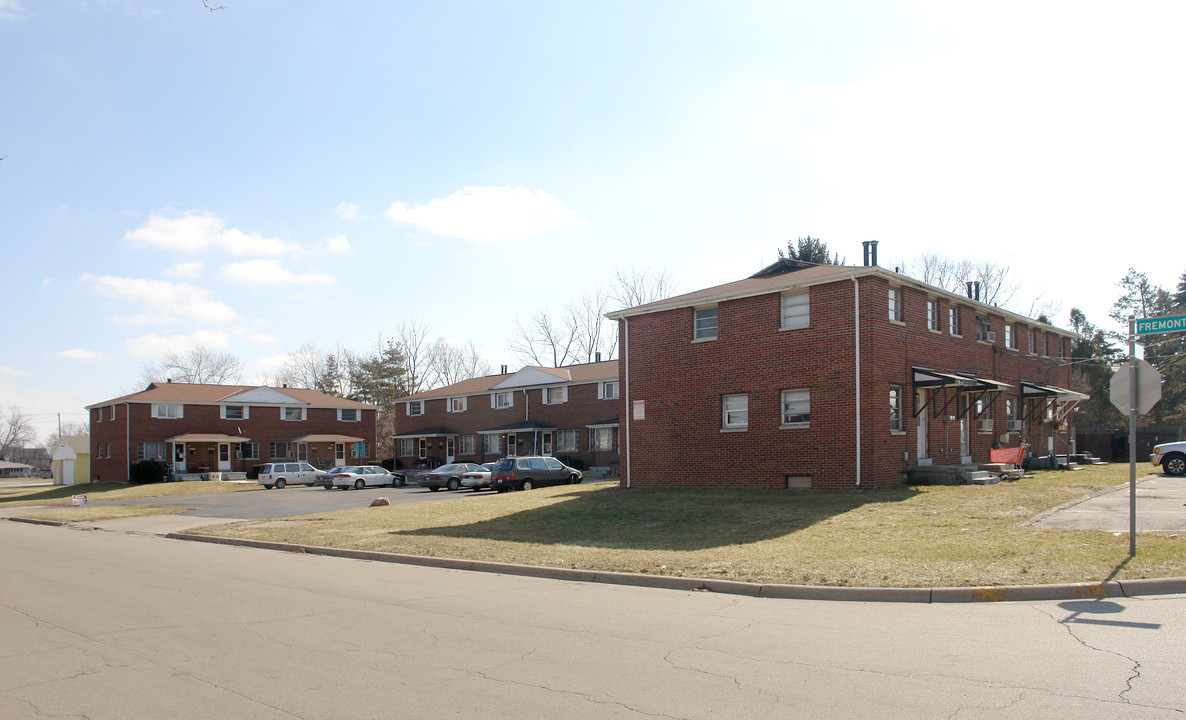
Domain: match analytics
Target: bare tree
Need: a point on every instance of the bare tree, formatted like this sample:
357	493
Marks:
412	340
595	334
16	431
633	287
69	428
199	364
305	367
454	363
996	287
546	341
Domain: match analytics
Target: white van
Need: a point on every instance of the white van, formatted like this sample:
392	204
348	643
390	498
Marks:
281	474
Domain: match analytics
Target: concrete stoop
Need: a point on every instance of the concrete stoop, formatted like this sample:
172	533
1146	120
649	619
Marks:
951	475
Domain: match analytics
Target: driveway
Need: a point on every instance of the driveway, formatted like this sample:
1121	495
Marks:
1161	507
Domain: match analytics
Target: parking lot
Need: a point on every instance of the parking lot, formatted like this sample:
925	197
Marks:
1161	507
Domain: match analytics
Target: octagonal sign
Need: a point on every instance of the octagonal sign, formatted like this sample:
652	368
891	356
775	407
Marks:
1148	388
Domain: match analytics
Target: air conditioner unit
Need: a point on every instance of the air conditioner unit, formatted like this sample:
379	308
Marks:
988	336
984	426
1014	426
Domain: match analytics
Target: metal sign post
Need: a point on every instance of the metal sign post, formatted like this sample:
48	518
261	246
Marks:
1132	438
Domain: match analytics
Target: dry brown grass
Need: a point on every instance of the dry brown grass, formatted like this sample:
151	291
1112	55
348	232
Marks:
106	512
906	537
61	494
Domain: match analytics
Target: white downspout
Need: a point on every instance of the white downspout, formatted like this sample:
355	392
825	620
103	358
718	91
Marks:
856	313
626	357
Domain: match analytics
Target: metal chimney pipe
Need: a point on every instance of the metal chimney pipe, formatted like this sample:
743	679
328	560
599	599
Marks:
873	247
969	286
977	286
865	246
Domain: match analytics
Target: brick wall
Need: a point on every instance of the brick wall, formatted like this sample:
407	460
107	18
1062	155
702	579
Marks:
681	442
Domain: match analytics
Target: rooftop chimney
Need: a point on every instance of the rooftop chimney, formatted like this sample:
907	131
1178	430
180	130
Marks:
597	357
870	252
968	284
503	371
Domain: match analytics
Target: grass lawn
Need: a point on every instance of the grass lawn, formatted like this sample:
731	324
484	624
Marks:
61	494
907	537
106	512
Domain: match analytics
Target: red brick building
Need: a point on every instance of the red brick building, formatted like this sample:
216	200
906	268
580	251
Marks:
227	428
569	412
831	377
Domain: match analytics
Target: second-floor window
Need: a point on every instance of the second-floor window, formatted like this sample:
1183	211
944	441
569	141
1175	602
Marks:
294	413
555	395
348	414
953	320
932	315
234	412
457	404
705	324
415	407
895	304
608	390
167	410
796	310
502	400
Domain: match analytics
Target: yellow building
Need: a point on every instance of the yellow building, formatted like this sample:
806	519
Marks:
72	460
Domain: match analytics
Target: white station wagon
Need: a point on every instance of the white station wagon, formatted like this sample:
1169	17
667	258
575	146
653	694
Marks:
281	474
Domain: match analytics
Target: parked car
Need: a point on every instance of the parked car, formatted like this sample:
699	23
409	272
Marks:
446	476
478	479
280	474
358	477
1171	457
525	473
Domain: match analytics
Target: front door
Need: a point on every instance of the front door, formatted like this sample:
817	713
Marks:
67	472
224	457
339	453
178	457
450	449
546	446
512	445
920	401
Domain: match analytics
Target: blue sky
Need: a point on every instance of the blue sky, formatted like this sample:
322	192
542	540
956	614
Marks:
278	173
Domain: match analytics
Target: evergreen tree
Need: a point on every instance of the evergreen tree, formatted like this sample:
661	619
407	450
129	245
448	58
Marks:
809	249
1093	356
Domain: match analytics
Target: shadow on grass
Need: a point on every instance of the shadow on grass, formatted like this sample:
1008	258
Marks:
59	492
666	519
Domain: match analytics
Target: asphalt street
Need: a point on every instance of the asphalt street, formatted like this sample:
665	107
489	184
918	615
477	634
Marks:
113	625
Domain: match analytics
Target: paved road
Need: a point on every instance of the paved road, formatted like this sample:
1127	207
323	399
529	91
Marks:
1161	506
111	625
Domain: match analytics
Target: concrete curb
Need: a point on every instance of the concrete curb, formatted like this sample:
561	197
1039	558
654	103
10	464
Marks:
1004	593
34	521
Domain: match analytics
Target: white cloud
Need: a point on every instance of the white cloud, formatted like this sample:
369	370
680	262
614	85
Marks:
81	354
10	10
267	271
347	211
13	372
487	214
154	345
194	232
249	334
165	297
186	270
337	243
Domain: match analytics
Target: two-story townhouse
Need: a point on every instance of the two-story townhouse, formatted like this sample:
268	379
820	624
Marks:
832	377
227	428
569	411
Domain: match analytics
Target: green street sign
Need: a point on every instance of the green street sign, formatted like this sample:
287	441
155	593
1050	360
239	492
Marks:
1147	326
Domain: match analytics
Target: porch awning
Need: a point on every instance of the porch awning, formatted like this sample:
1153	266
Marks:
206	437
925	377
987	385
326	438
521	426
1029	389
434	431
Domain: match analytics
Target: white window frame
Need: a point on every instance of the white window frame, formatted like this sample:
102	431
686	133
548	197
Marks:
491	444
246	412
603	390
302	412
466	445
549	400
112	415
1010	337
601	438
168	411
510	399
407	447
895	409
797	395
343	411
701	328
568	441
794	310
932	315
415	407
458	404
953	321
894	303
735	412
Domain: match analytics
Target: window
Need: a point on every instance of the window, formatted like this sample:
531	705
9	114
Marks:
280	450
348	414
502	400
1010	413
234	412
457	404
601	438
608	390
705	324
99	413
415	407
983	329
932	315
895	408
796	310
247	450
490	444
735	412
407	446
151	451
466	445
1034	341
1010	340
167	411
294	413
953	320
112	415
895	304
796	408
567	441
555	395
1044	347
362	449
